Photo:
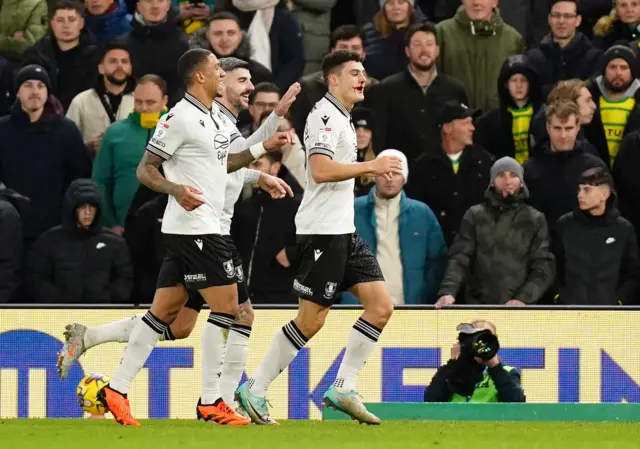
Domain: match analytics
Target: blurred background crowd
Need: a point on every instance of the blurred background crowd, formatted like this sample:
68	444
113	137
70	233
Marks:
518	121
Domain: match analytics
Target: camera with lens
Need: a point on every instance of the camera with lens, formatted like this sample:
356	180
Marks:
480	343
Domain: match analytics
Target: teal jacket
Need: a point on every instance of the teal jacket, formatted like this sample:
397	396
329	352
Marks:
422	247
114	169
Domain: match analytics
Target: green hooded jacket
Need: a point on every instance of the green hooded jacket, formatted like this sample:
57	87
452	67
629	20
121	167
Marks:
114	170
21	16
473	52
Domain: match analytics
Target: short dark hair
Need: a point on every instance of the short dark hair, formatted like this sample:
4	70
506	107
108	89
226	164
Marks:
333	61
189	62
223	15
576	2
274	156
263	87
154	79
68	4
345	33
426	27
230	64
114	46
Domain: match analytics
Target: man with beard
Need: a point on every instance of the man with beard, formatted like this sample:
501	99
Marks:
597	248
68	52
501	252
405	105
111	98
616	93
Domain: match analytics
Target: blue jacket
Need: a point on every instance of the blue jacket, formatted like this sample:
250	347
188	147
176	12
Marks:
422	247
109	27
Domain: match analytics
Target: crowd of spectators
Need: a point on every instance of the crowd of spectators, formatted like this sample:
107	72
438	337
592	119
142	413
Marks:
518	120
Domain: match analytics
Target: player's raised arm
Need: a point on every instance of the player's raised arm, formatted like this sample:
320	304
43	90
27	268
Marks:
235	161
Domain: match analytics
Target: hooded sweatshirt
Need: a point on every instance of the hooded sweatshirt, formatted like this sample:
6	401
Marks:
72	264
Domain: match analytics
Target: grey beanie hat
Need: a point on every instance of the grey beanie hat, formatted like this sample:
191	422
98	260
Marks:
508	164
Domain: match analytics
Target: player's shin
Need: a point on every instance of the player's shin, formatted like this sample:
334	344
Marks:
117	331
234	360
143	338
360	345
283	349
213	351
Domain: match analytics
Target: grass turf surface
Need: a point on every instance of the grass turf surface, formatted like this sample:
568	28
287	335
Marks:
185	434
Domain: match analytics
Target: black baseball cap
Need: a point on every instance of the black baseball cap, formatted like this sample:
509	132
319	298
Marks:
455	110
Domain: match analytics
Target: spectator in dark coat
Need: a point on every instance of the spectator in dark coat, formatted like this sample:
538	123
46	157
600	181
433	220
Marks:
7	87
565	53
454	178
625	174
620	26
598	252
504	131
144	238
156	43
107	20
224	38
41	151
502	250
314	86
406	104
385	38
285	38
68	53
80	261
552	175
265	235
12	204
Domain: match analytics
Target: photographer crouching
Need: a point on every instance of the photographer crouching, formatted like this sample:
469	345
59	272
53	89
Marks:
474	372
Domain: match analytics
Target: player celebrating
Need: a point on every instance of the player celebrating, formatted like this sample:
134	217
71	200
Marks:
332	256
191	142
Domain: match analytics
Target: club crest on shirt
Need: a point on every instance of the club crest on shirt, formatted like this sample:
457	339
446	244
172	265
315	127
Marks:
330	290
229	268
220	142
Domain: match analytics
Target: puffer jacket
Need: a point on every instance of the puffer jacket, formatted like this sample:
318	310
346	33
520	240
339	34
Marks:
502	251
71	264
314	17
21	16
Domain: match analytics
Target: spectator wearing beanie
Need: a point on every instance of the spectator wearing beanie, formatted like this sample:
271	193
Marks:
504	131
41	151
565	53
68	52
473	46
156	43
616	94
385	38
22	23
80	261
501	252
405	236
107	20
597	250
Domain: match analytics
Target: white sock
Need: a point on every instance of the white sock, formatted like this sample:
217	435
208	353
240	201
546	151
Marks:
283	349
143	338
118	331
213	352
235	359
361	343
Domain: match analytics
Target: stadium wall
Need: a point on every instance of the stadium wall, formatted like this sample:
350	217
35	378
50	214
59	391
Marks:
565	356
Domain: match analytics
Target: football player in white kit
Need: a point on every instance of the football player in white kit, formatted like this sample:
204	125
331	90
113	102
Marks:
332	257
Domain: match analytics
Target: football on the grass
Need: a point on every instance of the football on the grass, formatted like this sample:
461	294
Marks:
87	392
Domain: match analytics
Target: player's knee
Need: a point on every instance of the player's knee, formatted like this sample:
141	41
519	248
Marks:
245	314
310	325
181	332
383	311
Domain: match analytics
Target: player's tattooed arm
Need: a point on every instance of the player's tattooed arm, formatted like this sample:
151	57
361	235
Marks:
235	161
149	175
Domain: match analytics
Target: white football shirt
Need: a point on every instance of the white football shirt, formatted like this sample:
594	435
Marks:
327	208
194	141
237	179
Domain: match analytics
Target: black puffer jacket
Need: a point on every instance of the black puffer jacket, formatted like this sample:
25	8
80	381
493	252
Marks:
70	264
11	206
494	128
597	259
579	60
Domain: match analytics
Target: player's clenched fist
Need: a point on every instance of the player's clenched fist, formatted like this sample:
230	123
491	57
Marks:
386	164
187	197
278	140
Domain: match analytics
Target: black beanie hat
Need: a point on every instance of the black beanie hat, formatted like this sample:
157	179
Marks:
622	52
33	72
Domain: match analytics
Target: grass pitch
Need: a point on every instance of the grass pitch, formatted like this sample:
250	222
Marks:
185	434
